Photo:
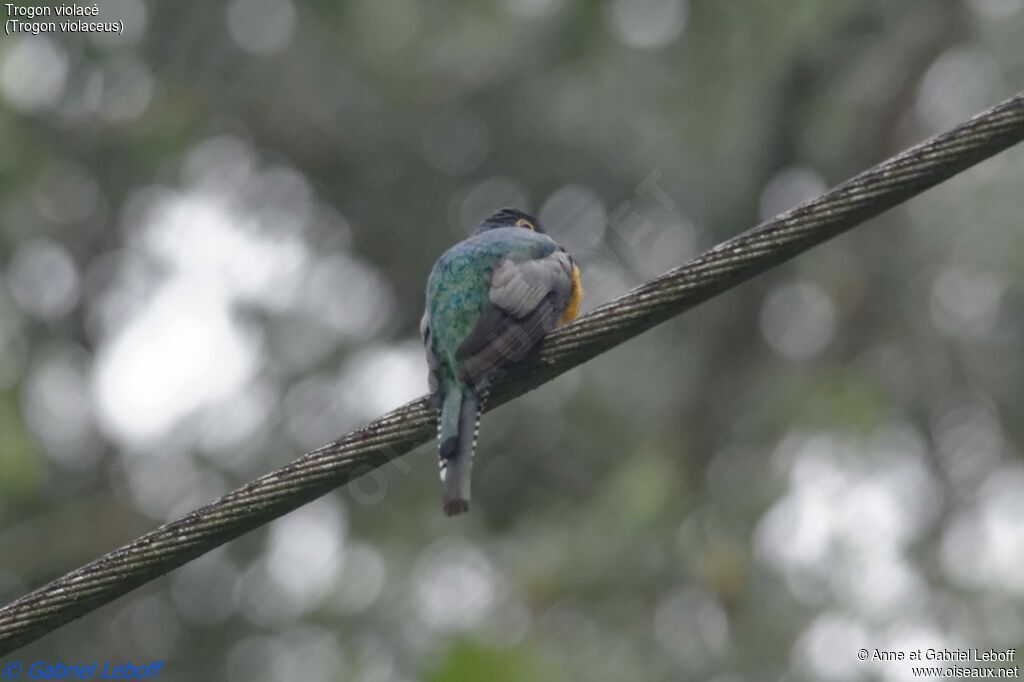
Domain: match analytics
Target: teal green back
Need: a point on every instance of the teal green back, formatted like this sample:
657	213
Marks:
457	291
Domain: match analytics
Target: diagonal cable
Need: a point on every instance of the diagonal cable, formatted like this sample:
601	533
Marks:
316	473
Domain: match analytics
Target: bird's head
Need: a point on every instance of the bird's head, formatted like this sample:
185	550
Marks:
510	217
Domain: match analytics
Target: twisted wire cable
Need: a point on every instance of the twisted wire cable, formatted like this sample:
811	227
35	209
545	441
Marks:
320	471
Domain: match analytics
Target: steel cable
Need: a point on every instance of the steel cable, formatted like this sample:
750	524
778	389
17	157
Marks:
316	473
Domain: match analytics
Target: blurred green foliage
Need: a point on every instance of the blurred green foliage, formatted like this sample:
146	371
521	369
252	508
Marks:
214	235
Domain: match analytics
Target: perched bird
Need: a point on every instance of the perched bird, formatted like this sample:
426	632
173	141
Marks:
490	299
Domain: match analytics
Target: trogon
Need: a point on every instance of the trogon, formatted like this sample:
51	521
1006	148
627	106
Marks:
490	299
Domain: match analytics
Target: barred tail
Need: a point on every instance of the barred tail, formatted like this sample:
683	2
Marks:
458	429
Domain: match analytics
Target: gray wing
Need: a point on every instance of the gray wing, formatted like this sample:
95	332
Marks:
527	299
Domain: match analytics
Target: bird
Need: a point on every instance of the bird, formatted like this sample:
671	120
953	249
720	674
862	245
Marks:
490	299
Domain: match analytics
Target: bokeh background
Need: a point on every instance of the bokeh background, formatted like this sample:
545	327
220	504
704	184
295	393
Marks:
214	235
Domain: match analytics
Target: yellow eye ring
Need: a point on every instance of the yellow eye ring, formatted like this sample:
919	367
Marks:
523	222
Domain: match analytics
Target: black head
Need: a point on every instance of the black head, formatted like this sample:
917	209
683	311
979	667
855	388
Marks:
510	217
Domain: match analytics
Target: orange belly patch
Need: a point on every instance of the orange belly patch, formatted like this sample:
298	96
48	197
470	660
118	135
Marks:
572	308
